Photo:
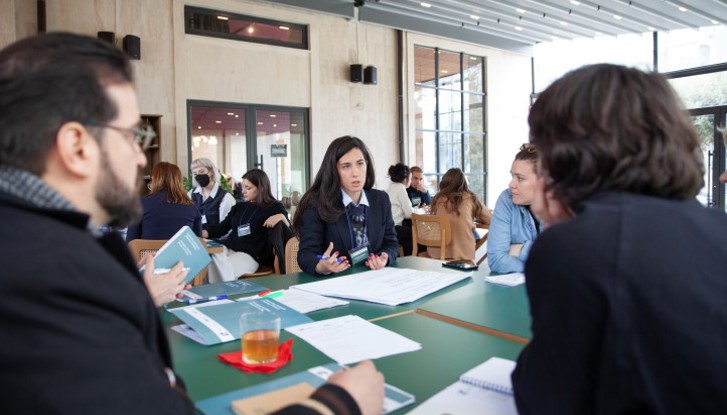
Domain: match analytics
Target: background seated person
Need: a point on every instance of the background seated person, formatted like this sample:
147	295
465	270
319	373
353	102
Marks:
248	222
417	189
342	220
463	208
167	208
401	208
213	201
514	227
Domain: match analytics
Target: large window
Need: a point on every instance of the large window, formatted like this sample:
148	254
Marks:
205	22
450	112
240	137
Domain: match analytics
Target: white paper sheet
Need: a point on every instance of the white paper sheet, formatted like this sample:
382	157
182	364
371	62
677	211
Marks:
305	302
460	398
510	280
351	339
390	286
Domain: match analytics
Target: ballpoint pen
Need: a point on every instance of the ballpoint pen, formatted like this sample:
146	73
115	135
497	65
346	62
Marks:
206	299
325	258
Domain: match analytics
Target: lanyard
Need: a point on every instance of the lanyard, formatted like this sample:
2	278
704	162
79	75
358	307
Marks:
243	215
350	228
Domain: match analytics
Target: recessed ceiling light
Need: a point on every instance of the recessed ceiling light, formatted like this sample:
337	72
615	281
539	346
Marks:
283	28
682	9
273	115
293	125
564	23
617	17
237	116
474	17
237	133
250	29
651	29
521	11
472	58
275	125
715	22
199	127
259	123
518	28
223	18
218	122
598	33
444	71
230	113
575	3
427	5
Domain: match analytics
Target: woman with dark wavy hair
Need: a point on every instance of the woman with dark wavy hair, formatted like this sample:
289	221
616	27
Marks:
463	208
341	219
245	228
627	281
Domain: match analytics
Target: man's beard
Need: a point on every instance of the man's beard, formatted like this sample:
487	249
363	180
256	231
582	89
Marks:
122	204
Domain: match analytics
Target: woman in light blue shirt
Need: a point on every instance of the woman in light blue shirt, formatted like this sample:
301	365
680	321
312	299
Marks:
514	227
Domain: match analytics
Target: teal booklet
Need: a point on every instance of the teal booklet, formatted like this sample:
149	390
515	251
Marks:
213	323
227	288
312	378
184	246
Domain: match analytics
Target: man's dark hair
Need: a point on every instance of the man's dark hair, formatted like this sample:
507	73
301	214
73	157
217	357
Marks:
47	81
326	189
608	127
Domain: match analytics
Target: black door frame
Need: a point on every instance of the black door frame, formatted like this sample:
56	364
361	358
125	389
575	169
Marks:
717	160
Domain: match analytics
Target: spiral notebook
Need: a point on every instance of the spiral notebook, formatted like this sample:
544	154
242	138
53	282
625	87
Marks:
484	389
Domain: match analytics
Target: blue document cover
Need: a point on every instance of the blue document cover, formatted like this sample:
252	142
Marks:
228	288
184	246
220	405
220	323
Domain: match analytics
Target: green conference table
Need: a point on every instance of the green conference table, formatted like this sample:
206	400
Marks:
447	351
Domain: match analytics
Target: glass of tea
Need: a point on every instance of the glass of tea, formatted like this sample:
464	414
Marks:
260	333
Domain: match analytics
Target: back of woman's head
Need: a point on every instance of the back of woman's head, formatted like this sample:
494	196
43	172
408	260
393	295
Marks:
608	127
167	177
399	172
325	191
260	179
453	189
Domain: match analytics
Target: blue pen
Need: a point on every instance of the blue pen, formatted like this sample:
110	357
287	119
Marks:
325	258
204	300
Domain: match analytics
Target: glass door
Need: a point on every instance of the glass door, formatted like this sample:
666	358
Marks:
707	121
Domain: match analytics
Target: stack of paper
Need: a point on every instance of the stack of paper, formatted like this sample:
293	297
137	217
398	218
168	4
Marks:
305	302
390	286
510	280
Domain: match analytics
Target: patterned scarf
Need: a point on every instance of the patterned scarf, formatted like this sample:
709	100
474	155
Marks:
357	216
30	188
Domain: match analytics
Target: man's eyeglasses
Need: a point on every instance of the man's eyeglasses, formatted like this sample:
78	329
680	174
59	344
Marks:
141	136
528	148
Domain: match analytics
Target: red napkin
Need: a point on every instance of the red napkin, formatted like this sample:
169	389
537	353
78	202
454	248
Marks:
284	356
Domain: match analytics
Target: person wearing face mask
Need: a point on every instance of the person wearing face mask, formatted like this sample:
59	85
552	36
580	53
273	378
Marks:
213	201
514	227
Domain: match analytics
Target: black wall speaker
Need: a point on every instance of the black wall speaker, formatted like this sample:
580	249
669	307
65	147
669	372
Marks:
107	36
370	75
132	46
357	73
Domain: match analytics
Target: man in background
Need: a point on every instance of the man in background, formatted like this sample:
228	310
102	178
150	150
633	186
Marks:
417	190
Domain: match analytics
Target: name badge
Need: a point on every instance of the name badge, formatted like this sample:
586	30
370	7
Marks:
416	201
204	219
358	255
244	230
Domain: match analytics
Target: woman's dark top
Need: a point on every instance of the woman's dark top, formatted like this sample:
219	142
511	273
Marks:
162	219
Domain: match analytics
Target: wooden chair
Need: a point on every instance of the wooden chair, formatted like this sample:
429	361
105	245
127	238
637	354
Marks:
291	256
482	241
430	230
262	271
142	247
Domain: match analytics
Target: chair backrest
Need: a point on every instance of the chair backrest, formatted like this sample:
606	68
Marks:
291	256
430	230
480	242
142	247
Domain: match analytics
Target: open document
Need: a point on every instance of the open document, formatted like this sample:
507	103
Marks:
390	286
351	339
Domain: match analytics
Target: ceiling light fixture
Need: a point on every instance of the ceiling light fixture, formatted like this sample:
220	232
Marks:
199	127
575	3
218	122
259	123
293	125
474	17
518	28
521	11
223	18
273	115
682	9
651	29
564	23
283	28
427	5
715	22
617	17
230	113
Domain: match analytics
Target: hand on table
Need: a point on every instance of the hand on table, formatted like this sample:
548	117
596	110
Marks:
365	385
377	261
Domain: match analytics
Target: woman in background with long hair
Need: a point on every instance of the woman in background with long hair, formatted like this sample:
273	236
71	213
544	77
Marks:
463	208
167	207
